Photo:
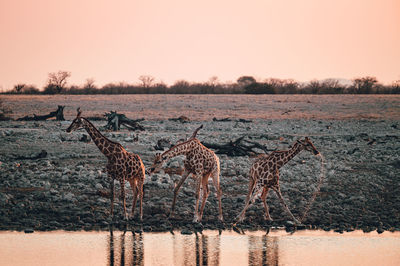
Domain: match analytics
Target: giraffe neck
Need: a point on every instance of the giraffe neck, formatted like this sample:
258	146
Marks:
180	149
290	154
106	146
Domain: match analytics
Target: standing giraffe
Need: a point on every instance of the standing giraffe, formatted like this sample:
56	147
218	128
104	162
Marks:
264	175
202	163
122	165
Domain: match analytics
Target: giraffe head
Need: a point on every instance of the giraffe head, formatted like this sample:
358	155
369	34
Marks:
157	163
308	146
76	123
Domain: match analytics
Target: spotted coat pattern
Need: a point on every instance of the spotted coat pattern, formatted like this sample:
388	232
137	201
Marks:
264	175
201	163
122	165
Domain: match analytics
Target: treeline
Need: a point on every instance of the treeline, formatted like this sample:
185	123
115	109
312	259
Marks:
57	84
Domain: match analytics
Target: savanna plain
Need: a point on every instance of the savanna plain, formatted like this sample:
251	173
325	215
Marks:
358	137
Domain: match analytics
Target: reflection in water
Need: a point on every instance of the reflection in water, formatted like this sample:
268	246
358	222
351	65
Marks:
255	248
207	250
126	249
263	250
196	249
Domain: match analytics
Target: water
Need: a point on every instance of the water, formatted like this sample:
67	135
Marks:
254	248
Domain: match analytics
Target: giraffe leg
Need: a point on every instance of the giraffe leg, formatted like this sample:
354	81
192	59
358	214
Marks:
112	196
264	200
249	198
196	206
140	188
278	192
176	190
122	182
215	177
134	188
206	191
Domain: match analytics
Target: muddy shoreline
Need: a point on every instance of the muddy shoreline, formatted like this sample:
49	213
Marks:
68	189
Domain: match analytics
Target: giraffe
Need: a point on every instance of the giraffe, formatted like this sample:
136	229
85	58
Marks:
264	175
122	165
202	163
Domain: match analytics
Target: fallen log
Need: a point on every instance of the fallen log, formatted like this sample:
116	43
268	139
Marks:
239	147
227	119
58	114
115	120
3	117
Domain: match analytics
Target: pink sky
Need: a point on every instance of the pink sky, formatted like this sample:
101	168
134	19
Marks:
112	41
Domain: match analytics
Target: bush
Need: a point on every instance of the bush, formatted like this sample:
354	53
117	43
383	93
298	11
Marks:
259	88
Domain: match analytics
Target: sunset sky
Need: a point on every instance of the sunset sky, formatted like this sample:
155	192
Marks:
113	41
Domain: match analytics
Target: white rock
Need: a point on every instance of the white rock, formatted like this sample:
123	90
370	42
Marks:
69	196
46	184
65	123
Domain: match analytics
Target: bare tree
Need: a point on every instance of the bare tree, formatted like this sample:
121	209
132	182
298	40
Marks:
89	84
213	81
313	86
364	85
19	88
146	80
57	81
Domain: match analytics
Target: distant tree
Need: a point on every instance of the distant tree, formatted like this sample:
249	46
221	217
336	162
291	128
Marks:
180	87
364	85
30	89
213	81
19	88
88	87
25	89
283	86
158	88
395	87
147	81
89	84
331	86
259	88
56	82
289	86
312	87
244	81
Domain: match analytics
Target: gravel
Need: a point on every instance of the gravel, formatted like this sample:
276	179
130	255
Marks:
69	188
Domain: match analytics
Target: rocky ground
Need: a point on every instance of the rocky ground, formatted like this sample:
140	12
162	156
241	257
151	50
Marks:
67	189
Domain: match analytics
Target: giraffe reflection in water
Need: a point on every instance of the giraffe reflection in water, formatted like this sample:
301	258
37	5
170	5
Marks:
199	249
196	249
126	249
263	250
207	250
